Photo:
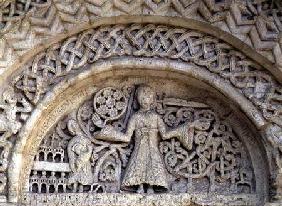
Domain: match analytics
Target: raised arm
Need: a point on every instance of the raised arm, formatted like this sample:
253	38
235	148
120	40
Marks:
183	133
109	133
71	155
177	132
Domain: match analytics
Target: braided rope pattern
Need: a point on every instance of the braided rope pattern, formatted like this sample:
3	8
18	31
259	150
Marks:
25	23
150	40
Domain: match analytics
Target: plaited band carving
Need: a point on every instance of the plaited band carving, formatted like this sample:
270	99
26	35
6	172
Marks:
24	23
150	40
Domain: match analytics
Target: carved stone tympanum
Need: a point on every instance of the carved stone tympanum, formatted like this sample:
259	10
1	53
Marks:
140	102
135	140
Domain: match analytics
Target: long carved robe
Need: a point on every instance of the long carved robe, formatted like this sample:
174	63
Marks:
146	165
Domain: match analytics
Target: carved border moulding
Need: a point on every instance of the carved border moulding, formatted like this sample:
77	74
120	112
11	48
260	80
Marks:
28	23
139	200
147	40
158	151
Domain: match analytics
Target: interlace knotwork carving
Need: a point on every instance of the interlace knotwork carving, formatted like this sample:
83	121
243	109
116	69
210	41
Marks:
12	11
25	22
214	155
139	40
163	145
152	41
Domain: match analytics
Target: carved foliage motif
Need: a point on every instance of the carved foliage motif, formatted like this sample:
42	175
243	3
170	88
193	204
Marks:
217	155
90	152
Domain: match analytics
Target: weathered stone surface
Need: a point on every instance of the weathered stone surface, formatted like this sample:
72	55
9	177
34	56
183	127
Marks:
196	147
167	107
25	24
140	200
71	156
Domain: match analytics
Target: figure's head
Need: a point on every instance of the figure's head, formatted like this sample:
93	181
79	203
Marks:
78	148
73	127
145	97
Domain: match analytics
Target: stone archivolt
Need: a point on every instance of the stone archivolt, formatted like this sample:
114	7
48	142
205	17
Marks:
25	24
148	40
73	55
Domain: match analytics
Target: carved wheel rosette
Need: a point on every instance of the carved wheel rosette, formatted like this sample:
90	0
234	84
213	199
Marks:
110	103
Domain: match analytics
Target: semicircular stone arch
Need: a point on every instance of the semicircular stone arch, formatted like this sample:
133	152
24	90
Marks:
254	90
68	95
27	24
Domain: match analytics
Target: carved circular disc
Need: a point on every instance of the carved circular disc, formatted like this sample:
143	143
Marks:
110	103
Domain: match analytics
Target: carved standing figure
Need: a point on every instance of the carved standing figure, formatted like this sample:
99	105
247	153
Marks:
146	167
79	151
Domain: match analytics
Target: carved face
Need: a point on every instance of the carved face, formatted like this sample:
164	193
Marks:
146	97
77	148
72	127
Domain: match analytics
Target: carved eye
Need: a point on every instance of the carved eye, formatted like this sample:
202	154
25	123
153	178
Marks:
164	149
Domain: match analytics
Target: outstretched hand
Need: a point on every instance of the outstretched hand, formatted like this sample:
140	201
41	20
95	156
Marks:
107	133
96	119
107	130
